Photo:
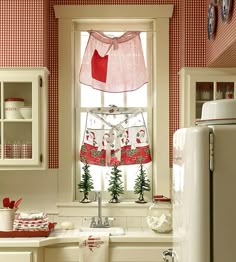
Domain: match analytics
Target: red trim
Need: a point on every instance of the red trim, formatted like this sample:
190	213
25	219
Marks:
14	99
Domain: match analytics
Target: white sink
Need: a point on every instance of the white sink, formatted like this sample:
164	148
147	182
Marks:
113	231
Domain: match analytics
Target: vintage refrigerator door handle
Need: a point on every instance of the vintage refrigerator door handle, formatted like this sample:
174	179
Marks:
211	152
170	253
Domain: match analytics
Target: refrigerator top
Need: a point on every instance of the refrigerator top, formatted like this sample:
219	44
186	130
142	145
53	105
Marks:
222	121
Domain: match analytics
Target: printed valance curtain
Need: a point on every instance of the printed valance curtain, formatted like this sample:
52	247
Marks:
115	133
113	64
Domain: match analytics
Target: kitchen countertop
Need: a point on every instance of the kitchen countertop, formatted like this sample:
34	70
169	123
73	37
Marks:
60	236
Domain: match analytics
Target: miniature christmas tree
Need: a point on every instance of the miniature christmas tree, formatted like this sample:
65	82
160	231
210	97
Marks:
86	184
115	184
142	183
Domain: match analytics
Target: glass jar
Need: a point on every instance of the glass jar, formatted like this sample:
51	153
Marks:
219	91
159	216
229	94
205	92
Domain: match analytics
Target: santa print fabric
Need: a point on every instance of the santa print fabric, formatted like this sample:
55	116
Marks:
113	64
121	136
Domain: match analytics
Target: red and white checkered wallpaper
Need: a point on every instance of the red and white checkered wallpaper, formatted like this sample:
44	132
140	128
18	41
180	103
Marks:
193	33
221	50
22	33
25	41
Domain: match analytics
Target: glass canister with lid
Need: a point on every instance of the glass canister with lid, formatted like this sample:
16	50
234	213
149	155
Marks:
159	216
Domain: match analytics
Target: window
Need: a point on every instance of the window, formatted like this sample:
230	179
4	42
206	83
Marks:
159	16
87	97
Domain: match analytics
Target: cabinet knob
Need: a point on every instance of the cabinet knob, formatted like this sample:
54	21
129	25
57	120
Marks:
169	255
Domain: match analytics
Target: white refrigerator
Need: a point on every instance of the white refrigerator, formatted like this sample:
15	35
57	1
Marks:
204	194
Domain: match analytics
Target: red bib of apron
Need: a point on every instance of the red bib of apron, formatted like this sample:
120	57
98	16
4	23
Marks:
99	66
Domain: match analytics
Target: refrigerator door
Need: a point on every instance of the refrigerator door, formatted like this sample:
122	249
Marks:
191	198
224	191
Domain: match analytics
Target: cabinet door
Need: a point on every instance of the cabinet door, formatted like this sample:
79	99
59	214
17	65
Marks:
16	256
199	85
62	254
212	90
148	253
23	104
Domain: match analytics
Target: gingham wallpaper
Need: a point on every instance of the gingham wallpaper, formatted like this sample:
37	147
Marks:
193	35
221	50
25	41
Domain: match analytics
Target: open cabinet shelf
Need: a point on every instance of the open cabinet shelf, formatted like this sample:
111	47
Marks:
23	136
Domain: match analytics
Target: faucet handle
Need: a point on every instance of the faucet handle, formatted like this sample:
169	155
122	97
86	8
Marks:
95	196
92	219
107	219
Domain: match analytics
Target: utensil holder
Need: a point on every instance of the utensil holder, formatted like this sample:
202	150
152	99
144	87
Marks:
7	216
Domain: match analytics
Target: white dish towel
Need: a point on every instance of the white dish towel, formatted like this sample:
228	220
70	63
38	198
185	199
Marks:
94	247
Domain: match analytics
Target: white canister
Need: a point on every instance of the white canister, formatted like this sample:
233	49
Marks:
7	217
12	108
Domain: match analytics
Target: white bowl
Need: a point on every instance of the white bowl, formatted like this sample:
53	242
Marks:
26	112
219	109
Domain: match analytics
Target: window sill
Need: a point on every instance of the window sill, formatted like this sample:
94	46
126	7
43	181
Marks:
122	209
127	204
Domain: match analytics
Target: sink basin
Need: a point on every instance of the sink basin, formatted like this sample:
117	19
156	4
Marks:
113	231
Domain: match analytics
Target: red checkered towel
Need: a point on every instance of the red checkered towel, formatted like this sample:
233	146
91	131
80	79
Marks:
36	221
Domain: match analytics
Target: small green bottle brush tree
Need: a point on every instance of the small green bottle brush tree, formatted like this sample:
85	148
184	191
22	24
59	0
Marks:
115	183
142	184
86	184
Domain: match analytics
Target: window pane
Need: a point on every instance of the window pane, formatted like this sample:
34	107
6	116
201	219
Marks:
116	99
83	43
131	172
82	125
143	37
89	96
137	98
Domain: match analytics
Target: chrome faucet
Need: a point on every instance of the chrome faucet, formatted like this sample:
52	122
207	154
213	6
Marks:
99	208
99	223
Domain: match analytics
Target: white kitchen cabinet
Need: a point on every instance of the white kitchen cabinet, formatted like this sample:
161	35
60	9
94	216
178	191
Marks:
199	85
118	252
16	256
21	254
23	141
138	252
62	253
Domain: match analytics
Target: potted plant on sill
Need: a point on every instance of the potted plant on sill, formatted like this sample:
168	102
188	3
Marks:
115	184
142	184
86	184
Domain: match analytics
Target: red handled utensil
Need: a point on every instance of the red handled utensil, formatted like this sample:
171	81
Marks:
6	202
12	204
17	203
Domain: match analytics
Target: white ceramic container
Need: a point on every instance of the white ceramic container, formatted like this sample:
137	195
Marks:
7	216
26	112
12	107
219	109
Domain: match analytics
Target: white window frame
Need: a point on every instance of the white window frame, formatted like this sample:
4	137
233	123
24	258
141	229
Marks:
116	25
160	15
